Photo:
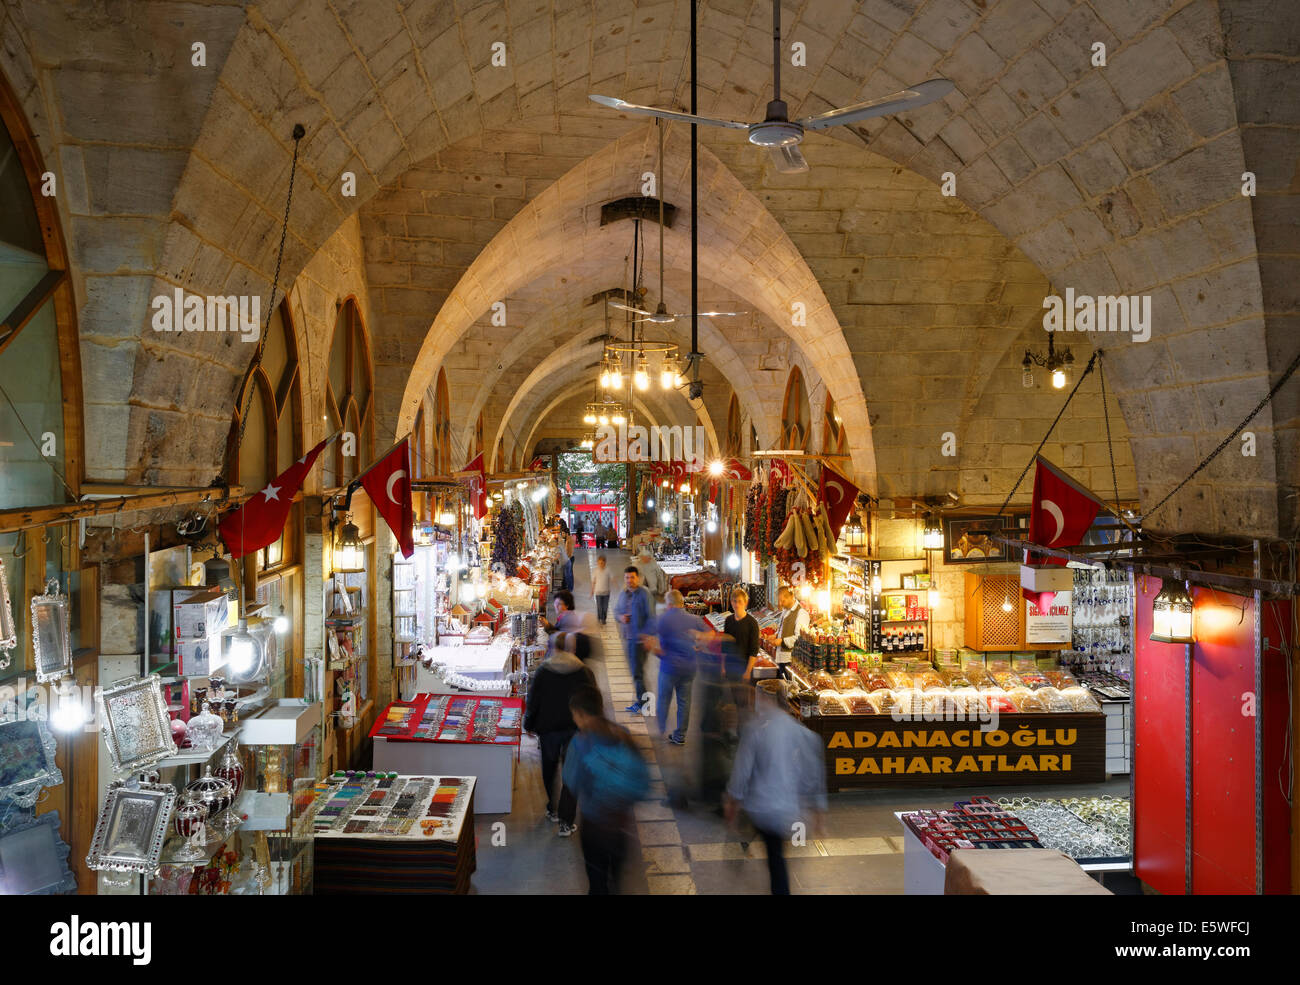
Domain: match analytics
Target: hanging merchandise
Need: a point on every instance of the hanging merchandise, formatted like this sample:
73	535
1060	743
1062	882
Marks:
507	539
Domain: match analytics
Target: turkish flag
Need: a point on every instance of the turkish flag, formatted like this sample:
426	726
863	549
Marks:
478	486
677	471
734	469
838	494
537	463
260	521
388	484
1061	514
780	471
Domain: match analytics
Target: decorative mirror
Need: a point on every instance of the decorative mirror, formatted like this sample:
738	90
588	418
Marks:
132	828
135	724
51	634
34	859
8	628
27	763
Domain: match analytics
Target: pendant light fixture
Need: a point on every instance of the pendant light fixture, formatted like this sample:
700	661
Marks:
642	377
349	552
1171	615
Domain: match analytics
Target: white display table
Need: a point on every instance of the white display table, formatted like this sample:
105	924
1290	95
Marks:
492	765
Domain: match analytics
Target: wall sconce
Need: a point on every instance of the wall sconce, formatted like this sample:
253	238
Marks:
1171	615
349	552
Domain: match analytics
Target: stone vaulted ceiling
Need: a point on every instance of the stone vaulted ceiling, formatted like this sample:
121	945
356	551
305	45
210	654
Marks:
1117	180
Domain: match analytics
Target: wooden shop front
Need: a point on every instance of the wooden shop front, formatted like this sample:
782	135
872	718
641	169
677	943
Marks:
877	751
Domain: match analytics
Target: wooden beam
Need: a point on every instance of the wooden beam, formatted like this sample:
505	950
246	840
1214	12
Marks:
27	517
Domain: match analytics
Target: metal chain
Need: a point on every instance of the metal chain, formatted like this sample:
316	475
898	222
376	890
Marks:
298	133
1290	371
1079	382
1110	444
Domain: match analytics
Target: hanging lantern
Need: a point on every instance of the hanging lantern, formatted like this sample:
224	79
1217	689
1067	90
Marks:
349	552
241	652
642	375
590	416
1171	615
932	539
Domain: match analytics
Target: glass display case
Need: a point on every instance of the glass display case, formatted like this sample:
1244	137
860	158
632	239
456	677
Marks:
281	759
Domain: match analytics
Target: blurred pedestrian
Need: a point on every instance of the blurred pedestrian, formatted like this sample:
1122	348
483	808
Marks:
600	588
779	778
741	646
608	776
634	610
558	678
652	576
675	640
570	545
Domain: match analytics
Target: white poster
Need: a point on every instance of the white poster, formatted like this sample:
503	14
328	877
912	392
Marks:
1052	626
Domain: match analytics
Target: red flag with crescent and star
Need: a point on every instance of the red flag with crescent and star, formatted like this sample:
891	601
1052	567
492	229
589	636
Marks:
838	495
260	521
478	486
388	484
735	469
781	471
1061	514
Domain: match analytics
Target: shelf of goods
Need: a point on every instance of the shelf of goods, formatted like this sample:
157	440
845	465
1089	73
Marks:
481	663
910	724
381	832
471	735
1090	831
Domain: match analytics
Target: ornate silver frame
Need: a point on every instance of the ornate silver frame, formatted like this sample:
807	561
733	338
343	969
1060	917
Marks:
9	641
26	792
134	720
132	827
61	850
51	634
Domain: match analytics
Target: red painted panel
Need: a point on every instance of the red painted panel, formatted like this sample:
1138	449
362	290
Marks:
1223	744
1159	773
1276	706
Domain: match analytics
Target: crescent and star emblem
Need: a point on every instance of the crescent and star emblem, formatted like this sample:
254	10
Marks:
1055	512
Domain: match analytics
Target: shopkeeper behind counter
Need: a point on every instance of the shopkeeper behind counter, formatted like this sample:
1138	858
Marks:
794	620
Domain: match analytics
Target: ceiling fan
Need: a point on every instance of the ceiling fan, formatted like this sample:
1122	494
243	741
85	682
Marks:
778	132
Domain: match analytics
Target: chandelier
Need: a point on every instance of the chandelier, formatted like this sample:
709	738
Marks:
1057	365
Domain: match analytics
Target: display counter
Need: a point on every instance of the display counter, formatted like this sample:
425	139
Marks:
490	662
392	834
467	734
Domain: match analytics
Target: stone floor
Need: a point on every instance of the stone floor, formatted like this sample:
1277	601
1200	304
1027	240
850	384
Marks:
691	851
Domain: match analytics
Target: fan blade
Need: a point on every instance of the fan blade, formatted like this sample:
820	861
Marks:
665	114
789	159
624	307
918	95
717	314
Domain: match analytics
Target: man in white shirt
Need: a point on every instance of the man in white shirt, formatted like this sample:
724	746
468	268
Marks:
794	619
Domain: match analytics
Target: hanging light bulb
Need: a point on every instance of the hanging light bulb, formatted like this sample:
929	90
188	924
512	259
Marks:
281	624
650	504
616	416
664	483
666	373
686	487
616	375
1058	379
603	418
590	416
1006	603
67	712
933	598
933	538
715	468
239	649
1027	371
733	561
604	377
805	590
711	526
666	517
642	375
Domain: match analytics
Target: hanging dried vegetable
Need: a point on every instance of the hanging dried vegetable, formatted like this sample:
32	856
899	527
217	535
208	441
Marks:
507	542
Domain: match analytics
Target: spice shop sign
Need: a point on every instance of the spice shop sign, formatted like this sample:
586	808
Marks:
1023	749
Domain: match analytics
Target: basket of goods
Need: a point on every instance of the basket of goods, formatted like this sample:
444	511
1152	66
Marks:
847	680
876	681
1080	699
1053	700
821	681
830	703
859	702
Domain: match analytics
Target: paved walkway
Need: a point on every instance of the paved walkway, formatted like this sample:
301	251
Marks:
690	851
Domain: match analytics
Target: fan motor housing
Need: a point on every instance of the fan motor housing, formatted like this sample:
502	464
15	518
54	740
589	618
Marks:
775	133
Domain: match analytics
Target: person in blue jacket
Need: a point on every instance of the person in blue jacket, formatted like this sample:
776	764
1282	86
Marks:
633	611
676	634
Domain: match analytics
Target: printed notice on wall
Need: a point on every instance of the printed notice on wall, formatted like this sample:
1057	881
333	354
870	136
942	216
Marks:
1052	626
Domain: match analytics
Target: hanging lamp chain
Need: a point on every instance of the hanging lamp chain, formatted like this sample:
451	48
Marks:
298	133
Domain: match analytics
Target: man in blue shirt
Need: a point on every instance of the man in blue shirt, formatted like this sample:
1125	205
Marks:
678	631
633	611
